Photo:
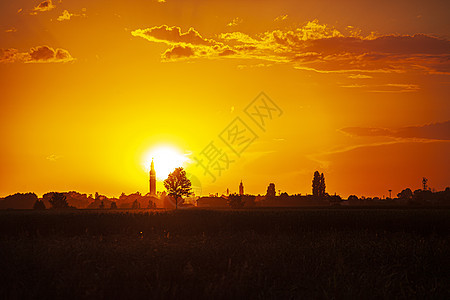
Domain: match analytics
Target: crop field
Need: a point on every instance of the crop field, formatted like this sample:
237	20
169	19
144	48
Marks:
226	254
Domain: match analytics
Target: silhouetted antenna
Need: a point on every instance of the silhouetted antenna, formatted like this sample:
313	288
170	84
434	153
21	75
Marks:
390	194
425	184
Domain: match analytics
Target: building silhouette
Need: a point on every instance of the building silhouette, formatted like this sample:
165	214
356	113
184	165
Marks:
241	188
152	179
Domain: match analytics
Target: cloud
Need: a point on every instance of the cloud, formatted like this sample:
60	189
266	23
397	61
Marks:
236	21
189	44
39	54
395	88
172	36
177	52
281	18
386	88
317	47
53	157
10	30
433	131
359	76
45	5
66	15
355	85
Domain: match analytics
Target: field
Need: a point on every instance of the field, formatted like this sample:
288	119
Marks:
224	254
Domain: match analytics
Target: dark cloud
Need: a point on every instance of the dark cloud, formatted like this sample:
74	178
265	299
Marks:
177	52
46	5
379	47
317	47
227	52
433	131
40	54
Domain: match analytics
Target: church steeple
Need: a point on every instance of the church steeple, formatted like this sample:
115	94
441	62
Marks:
152	179
152	167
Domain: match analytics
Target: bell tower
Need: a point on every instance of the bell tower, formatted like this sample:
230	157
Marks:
152	179
241	188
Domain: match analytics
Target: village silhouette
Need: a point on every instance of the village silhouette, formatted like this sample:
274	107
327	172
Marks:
187	199
173	244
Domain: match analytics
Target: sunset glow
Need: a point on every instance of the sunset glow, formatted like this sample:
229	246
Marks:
166	159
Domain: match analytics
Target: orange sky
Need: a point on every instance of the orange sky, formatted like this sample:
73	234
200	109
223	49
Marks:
88	87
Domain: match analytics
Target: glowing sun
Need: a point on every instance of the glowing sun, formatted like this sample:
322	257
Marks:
166	159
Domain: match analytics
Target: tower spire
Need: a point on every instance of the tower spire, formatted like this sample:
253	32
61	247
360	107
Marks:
241	188
152	179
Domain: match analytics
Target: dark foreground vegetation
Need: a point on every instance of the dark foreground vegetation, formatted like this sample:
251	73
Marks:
190	254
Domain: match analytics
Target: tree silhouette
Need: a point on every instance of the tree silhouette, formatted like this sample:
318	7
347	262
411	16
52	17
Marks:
39	205
406	194
177	185
58	201
318	185
113	205
270	191
352	198
322	186
151	204
236	201
136	205
102	205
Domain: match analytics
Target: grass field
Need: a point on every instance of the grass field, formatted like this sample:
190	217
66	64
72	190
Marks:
225	254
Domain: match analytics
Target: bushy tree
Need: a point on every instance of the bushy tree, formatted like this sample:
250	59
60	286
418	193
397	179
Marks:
270	191
39	205
236	201
136	205
151	204
19	201
58	201
322	186
406	194
177	185
352	198
318	185
335	200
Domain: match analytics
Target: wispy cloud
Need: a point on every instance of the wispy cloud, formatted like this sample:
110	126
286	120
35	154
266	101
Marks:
433	131
359	76
53	157
66	15
281	18
236	21
385	88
